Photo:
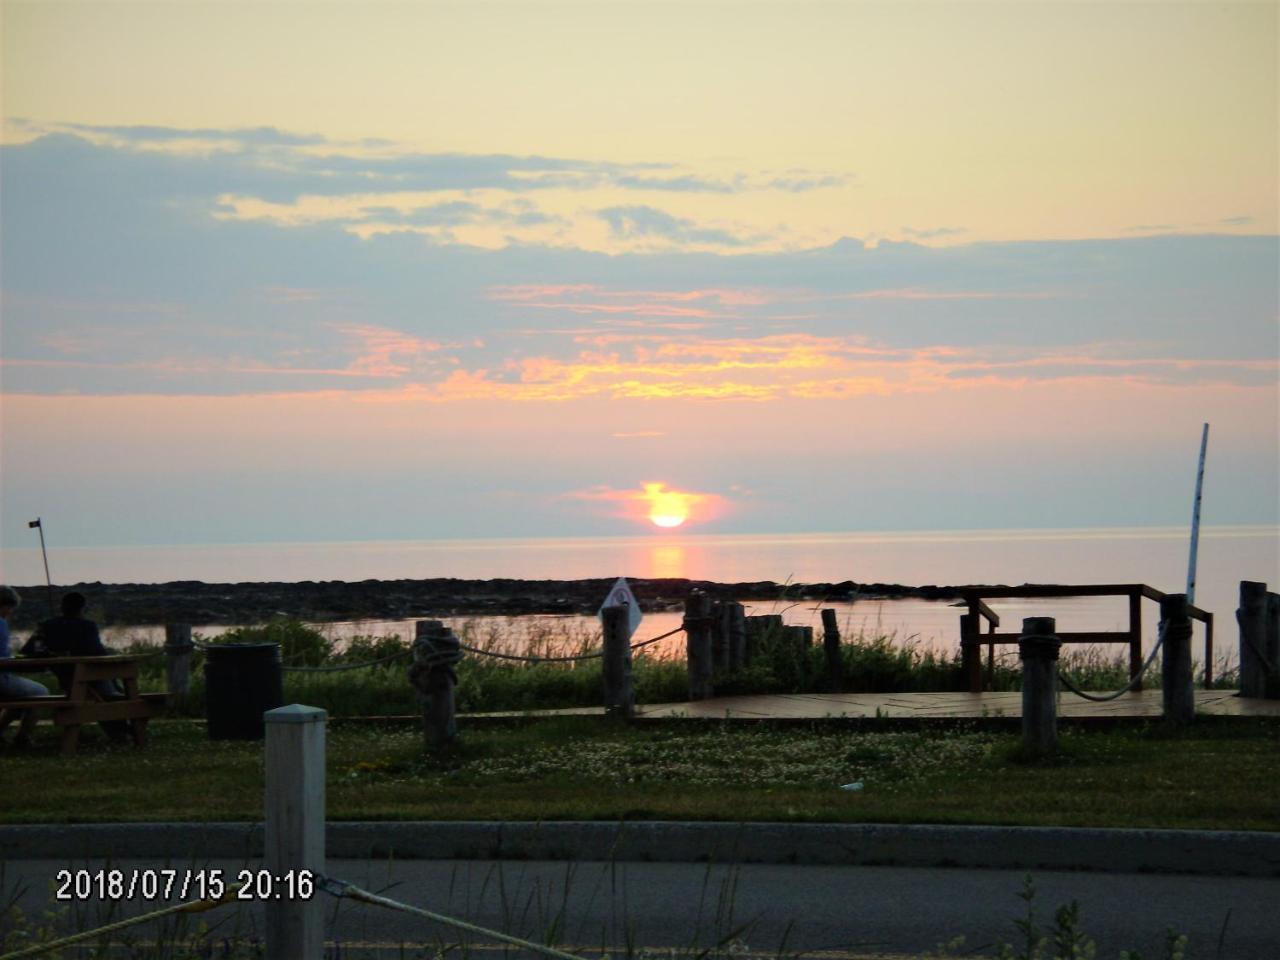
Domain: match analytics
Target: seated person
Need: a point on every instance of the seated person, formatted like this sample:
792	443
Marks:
12	685
74	635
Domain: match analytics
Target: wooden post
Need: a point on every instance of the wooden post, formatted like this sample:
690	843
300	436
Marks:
1135	638
697	632
1252	618
737	630
1177	681
761	629
1208	651
619	694
1038	648
719	637
970	652
294	810
1272	650
831	645
435	651
177	650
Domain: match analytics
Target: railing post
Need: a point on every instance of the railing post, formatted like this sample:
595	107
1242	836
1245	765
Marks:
1177	691
177	651
1038	647
697	631
970	651
435	651
1252	618
737	630
294	812
619	694
831	645
1208	651
719	636
1135	639
1272	650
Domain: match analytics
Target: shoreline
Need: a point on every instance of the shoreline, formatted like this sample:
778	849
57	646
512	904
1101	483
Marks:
194	601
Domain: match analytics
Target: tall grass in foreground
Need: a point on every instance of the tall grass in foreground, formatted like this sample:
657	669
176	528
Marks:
537	908
879	663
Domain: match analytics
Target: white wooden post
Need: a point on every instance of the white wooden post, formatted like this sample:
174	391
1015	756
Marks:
294	808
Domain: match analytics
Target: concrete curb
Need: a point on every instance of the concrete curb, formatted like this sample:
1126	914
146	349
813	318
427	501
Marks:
1045	848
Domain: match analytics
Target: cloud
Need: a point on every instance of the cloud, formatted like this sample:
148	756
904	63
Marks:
803	183
643	222
1237	221
933	232
113	260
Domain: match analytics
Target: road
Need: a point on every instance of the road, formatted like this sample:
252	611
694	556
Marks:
850	911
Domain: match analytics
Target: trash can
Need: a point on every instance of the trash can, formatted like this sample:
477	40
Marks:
241	682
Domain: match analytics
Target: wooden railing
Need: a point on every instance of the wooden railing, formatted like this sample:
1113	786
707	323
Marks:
972	639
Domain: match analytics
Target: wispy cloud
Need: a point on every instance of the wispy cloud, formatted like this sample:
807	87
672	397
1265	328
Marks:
645	222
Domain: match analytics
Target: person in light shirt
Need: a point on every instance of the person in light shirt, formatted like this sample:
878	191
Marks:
13	686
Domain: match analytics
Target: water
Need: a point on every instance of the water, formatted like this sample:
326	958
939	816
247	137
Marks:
1156	556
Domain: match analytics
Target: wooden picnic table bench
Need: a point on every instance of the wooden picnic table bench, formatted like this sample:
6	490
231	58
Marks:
81	703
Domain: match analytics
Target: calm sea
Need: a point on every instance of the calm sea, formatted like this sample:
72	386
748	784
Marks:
1156	556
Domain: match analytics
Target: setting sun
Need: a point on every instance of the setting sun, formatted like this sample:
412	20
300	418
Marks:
668	508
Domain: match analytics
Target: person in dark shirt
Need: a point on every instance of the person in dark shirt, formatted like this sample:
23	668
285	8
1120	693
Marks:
74	635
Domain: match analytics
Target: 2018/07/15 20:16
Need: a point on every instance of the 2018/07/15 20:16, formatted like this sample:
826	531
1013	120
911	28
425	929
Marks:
201	884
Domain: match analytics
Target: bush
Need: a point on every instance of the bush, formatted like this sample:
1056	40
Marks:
300	645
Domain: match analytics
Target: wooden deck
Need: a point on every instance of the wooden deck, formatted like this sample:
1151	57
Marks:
817	706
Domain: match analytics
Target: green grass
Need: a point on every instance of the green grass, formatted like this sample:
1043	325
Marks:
1217	776
871	664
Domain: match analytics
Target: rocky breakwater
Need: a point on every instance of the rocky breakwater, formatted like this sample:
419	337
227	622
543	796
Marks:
196	602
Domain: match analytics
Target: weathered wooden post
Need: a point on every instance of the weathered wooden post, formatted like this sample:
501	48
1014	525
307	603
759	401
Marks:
1178	694
294	811
831	645
177	652
697	631
435	651
619	693
719	636
1252	618
971	651
1273	647
1038	649
737	631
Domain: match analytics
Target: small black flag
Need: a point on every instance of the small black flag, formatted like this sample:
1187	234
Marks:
34	523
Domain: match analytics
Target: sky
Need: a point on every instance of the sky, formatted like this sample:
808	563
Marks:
346	271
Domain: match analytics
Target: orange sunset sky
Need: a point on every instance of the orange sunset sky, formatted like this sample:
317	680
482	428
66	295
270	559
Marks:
303	271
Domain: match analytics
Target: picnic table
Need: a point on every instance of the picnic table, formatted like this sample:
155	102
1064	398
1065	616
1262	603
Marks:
81	703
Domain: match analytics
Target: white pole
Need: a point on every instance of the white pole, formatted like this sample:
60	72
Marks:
1195	520
294	804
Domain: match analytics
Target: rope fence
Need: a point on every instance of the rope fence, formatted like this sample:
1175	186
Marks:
342	889
399	655
1133	682
582	656
193	906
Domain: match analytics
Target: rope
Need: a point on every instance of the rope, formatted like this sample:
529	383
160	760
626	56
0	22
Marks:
195	906
583	656
512	656
349	666
340	888
645	643
1165	625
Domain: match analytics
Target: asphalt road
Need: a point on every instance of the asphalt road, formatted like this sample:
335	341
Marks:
773	908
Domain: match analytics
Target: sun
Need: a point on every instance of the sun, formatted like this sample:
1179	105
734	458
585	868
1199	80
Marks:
667	508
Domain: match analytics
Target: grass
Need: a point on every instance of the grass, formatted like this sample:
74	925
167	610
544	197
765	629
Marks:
871	664
1216	776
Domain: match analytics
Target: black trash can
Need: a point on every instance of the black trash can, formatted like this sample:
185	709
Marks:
241	682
